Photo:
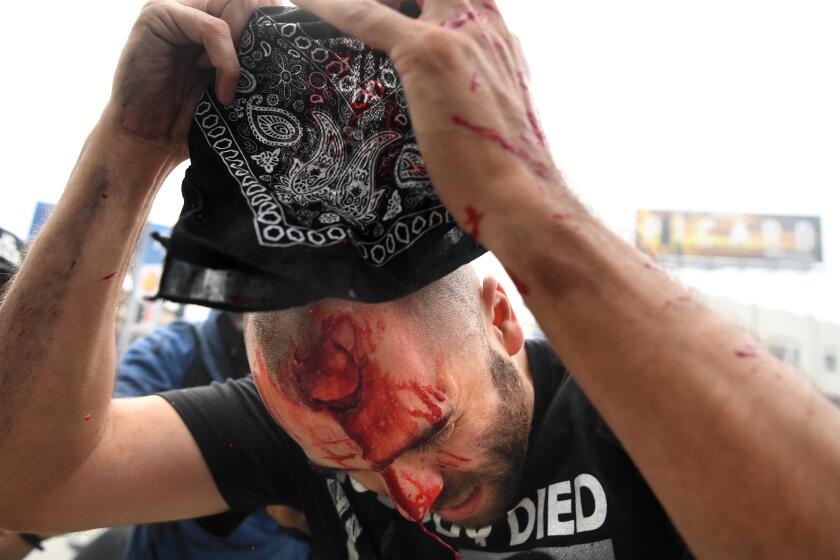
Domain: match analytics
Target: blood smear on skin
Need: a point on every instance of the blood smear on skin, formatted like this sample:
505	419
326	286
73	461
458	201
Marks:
475	82
443	543
453	456
417	508
337	373
109	276
535	164
473	221
749	350
88	417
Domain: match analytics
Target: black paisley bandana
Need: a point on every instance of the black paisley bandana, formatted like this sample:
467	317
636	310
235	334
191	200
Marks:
310	185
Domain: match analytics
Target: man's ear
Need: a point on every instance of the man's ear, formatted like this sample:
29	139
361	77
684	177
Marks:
498	310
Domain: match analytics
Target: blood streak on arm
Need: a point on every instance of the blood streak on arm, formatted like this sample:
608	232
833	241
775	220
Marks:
538	167
533	121
473	221
109	276
748	350
475	81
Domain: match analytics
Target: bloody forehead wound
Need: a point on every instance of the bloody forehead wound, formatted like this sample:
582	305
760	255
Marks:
328	370
334	369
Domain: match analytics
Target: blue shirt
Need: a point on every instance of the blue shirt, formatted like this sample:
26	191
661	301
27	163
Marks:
159	362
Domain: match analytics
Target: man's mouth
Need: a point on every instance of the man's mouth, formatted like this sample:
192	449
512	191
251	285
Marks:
466	509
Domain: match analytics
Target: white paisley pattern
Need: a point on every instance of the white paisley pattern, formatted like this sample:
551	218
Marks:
320	143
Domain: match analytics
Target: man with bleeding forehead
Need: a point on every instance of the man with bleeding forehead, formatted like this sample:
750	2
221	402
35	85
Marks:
432	400
412	398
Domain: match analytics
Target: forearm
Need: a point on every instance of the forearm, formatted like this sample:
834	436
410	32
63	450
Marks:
742	453
57	320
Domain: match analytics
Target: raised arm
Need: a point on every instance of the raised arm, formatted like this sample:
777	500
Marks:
68	457
743	455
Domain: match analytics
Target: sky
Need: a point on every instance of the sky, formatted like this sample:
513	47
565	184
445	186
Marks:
724	106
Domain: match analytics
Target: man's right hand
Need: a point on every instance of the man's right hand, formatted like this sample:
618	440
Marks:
168	59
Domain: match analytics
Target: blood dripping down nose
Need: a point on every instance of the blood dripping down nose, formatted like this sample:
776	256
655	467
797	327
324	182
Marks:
415	501
413	495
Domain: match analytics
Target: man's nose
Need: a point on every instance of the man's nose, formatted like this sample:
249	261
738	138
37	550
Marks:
413	486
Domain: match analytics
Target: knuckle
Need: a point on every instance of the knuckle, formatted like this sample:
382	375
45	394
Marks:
152	8
441	43
358	11
434	48
217	28
250	5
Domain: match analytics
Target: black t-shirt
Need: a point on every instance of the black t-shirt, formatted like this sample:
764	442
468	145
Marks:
580	495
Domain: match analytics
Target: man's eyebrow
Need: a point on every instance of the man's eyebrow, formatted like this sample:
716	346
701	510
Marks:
424	437
432	431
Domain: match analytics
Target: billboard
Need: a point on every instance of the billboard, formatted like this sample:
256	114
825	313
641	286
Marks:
716	240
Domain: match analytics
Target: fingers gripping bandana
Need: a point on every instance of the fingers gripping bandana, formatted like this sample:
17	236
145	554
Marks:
310	185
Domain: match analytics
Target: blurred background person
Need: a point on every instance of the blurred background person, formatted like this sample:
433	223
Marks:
180	355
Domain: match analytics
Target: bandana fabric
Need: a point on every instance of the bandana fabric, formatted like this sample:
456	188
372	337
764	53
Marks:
310	185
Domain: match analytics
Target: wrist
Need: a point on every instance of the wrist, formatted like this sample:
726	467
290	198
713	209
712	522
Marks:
523	214
133	167
554	249
131	149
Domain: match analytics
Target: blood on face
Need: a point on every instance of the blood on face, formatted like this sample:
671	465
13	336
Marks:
335	373
449	460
